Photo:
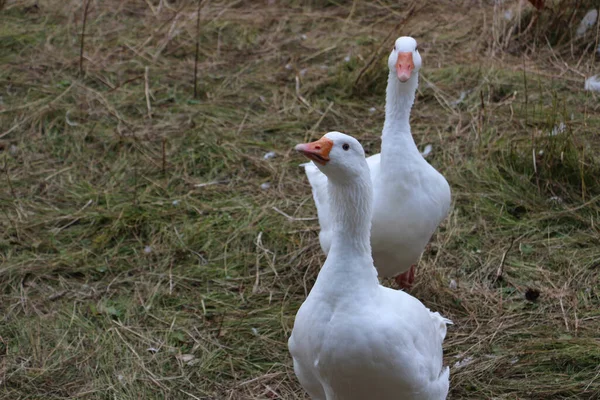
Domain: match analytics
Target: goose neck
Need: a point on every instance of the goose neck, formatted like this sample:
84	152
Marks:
400	98
352	208
348	272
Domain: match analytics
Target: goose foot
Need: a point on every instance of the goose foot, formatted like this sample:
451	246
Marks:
406	279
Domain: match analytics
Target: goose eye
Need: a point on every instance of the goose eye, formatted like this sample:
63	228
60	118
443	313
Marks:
346	146
417	48
394	47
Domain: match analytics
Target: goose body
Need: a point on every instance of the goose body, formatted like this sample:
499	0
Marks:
354	339
411	198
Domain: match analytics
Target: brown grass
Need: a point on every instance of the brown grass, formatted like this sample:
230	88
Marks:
140	257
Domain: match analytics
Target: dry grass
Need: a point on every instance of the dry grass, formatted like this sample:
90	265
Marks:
140	257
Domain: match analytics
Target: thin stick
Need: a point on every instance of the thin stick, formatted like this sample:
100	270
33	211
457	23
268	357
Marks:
481	117
409	14
525	86
292	218
85	12
316	125
500	269
197	50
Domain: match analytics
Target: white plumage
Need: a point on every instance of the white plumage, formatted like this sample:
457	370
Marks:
411	197
354	339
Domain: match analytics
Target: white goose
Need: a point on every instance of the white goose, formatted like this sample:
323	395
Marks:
411	197
354	339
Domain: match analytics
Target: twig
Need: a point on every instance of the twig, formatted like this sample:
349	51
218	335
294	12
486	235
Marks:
260	378
525	87
481	117
500	269
292	218
147	92
318	123
242	124
197	50
210	183
135	78
85	12
364	69
52	175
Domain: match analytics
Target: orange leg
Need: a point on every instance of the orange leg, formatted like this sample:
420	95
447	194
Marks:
406	279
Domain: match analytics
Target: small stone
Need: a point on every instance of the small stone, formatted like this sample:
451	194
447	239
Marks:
372	110
269	155
265	186
453	285
147	249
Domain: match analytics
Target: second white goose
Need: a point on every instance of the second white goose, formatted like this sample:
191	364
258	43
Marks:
411	197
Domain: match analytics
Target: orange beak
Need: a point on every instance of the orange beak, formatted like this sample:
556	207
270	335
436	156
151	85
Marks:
404	66
317	151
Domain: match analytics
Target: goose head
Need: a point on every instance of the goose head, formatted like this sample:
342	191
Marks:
404	60
337	155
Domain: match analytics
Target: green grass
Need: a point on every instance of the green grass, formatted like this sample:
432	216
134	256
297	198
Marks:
140	258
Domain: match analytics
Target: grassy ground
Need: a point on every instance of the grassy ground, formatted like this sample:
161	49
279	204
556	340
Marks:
141	258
